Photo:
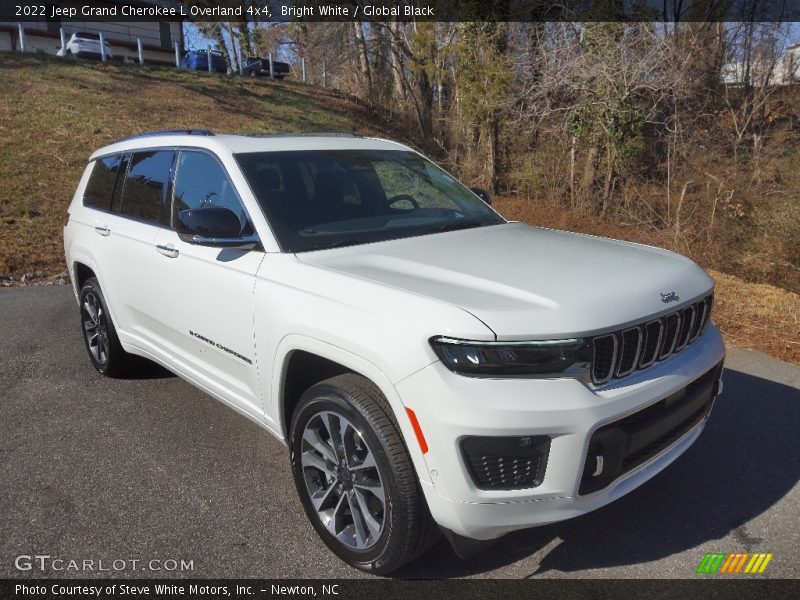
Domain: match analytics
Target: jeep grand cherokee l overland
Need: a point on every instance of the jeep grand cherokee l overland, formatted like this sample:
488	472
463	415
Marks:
429	365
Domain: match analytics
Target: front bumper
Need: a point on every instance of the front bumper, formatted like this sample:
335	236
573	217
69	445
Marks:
450	407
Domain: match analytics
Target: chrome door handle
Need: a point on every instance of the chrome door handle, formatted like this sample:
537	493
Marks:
168	250
104	231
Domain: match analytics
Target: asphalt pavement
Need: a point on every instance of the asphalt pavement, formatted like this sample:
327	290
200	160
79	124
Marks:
151	468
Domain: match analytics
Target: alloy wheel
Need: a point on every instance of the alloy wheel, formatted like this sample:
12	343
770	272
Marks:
342	480
95	327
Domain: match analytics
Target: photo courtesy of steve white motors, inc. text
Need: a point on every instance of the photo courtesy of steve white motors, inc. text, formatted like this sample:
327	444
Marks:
173	589
189	10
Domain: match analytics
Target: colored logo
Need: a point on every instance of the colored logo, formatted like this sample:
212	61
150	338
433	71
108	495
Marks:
743	562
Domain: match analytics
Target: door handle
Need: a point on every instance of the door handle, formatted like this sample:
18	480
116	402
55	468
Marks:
102	230
168	250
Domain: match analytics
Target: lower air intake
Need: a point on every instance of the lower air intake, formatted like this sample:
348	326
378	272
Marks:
506	463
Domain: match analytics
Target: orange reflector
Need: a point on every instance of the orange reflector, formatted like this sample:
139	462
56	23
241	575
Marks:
417	430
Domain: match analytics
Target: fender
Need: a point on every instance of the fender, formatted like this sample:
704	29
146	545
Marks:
78	254
294	342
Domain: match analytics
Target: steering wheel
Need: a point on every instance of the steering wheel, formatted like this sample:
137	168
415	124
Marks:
398	197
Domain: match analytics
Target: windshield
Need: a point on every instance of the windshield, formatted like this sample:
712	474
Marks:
329	198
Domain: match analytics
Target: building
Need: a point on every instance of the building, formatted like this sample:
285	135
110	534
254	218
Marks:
44	35
784	71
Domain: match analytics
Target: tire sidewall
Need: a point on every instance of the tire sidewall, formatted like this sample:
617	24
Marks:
91	285
324	397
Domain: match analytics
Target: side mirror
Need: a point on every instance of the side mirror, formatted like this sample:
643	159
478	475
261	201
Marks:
215	226
482	194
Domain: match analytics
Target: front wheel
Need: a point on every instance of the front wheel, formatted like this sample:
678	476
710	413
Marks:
355	477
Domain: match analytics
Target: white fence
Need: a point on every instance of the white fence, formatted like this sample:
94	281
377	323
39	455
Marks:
23	46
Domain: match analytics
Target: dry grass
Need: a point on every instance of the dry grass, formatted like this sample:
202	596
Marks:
752	315
758	315
55	113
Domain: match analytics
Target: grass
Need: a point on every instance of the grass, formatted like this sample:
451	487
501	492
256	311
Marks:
55	113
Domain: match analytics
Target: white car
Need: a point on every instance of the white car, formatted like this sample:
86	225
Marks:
85	45
430	365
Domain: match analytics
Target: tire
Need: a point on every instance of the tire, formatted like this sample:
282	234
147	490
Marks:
392	531
99	334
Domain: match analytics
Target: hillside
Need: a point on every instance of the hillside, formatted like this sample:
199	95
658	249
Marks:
54	114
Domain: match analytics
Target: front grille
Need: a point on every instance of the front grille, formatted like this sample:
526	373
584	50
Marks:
506	463
621	353
623	445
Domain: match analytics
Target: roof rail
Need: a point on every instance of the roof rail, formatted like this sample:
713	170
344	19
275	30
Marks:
165	132
346	134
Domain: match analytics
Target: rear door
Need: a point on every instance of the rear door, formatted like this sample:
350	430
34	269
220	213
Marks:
205	305
139	211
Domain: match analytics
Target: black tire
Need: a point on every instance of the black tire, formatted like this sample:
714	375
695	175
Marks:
407	529
104	350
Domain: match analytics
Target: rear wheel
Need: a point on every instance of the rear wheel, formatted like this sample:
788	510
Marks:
355	477
99	334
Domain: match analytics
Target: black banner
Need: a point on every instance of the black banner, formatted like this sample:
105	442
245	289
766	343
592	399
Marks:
401	10
387	589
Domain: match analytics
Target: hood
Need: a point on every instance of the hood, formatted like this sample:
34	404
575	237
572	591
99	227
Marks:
526	282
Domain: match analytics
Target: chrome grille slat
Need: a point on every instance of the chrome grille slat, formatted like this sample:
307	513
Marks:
672	327
607	373
699	321
612	354
625	363
685	332
648	355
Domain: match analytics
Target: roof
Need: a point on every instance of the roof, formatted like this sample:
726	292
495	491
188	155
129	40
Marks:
243	143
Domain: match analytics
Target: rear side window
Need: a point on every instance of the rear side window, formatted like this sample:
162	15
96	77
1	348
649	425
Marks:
100	188
145	194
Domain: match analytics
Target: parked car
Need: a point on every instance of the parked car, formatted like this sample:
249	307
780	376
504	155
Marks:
85	45
429	365
197	60
254	65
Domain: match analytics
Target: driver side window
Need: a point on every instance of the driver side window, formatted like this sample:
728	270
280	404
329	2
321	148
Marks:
201	181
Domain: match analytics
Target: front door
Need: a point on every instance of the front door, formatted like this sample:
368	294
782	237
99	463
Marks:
206	294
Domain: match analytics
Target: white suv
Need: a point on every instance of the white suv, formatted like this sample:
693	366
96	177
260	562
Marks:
86	44
430	365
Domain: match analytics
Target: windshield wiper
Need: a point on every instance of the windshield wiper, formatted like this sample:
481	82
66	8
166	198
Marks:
333	244
460	224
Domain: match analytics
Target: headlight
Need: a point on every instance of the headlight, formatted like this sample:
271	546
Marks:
505	359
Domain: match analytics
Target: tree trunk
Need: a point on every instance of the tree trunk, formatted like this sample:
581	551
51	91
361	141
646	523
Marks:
363	60
589	172
223	47
398	62
607	186
244	38
572	198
